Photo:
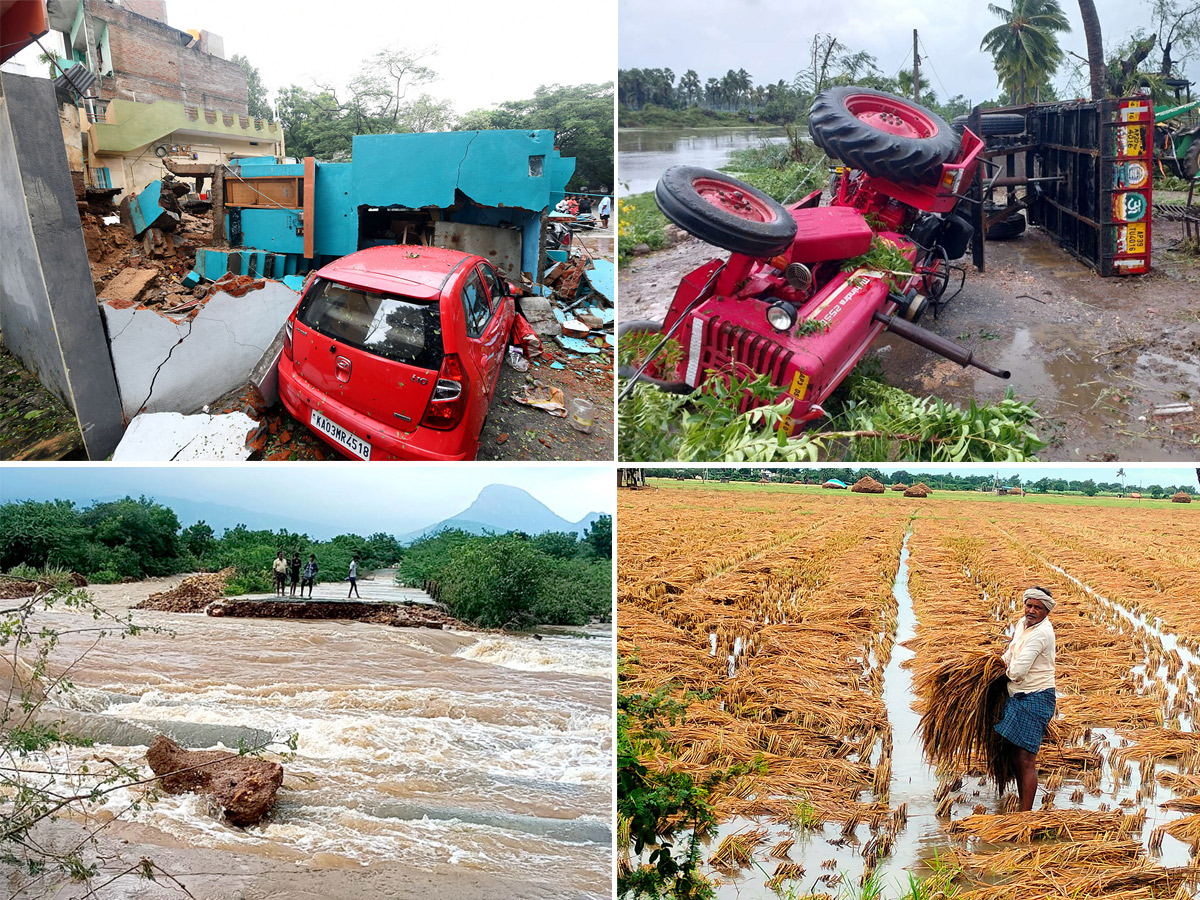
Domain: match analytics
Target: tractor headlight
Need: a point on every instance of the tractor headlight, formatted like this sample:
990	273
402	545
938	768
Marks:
781	315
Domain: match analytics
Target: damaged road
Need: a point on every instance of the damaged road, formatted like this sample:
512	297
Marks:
1111	363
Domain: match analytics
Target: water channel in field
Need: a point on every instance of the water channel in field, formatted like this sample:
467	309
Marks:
833	862
491	753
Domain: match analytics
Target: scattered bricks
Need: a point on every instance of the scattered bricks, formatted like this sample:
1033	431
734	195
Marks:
278	455
274	426
502	438
284	437
237	285
129	285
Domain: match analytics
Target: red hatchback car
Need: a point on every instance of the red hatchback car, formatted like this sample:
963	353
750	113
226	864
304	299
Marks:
394	352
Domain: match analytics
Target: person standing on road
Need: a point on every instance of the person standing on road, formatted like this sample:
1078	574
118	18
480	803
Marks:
354	579
604	210
294	572
1031	697
310	575
279	567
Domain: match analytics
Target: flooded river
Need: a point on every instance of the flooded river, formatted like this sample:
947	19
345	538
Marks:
645	153
480	754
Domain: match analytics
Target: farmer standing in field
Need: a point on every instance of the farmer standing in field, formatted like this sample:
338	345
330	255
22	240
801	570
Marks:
1031	699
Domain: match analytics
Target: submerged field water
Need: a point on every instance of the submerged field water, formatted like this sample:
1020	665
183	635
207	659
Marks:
801	619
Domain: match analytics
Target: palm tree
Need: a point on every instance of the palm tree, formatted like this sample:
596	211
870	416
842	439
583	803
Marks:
1095	47
1025	47
689	85
1121	475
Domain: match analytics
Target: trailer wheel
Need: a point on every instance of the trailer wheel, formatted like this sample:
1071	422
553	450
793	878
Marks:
1005	229
724	211
884	135
996	123
646	327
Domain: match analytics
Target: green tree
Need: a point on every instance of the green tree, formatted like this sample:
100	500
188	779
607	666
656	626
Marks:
257	104
599	535
1025	46
581	117
494	582
138	537
41	534
197	538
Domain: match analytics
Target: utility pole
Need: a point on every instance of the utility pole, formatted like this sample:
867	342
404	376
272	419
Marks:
916	71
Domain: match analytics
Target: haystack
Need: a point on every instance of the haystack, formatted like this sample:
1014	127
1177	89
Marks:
868	485
899	486
917	490
963	699
192	594
1180	497
927	488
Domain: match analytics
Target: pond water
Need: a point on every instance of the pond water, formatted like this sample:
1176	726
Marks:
643	154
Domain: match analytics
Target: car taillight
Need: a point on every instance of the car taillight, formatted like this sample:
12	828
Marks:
450	396
287	339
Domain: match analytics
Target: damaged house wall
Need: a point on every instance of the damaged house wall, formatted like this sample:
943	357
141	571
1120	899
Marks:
48	307
167	366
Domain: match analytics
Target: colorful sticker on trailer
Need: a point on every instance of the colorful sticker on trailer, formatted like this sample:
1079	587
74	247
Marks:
1131	174
1130	207
1131	140
1130	239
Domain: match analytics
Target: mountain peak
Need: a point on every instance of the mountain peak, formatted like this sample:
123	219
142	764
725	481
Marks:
502	508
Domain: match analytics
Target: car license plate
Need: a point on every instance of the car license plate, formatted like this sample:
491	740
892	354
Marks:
350	441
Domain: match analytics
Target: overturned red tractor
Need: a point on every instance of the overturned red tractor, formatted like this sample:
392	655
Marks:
807	288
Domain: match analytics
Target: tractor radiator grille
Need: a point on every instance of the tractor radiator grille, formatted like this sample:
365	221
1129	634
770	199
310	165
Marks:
725	343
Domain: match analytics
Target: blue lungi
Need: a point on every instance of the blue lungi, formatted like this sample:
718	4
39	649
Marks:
1025	719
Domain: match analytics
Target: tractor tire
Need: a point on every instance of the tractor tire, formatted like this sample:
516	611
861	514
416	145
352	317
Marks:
1191	159
1005	229
637	325
995	124
724	211
881	134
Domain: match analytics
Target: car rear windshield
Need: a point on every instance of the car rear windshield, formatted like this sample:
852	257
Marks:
396	328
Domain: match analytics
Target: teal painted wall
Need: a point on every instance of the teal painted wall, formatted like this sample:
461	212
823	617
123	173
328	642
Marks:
272	229
337	217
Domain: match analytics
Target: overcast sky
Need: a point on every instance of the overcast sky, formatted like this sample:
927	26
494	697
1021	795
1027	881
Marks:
391	498
1136	474
487	52
771	39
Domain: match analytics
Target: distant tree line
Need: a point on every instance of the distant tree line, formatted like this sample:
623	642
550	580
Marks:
965	482
493	580
514	580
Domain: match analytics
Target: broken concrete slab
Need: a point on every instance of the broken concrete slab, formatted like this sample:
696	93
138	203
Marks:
168	366
173	437
265	374
128	285
539	313
601	276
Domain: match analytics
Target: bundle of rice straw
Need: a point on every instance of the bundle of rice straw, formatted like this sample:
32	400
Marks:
917	490
899	486
923	486
868	485
1180	497
963	698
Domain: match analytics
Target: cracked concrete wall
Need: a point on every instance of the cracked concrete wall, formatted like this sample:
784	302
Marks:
168	366
47	302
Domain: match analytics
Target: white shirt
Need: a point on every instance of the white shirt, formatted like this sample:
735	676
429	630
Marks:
1030	658
353	569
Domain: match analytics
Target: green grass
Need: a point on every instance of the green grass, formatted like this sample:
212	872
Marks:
939	494
651	116
640	222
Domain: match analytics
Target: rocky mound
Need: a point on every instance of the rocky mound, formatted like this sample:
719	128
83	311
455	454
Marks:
917	490
243	786
867	485
192	594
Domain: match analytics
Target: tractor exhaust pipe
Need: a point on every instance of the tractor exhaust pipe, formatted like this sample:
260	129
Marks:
938	344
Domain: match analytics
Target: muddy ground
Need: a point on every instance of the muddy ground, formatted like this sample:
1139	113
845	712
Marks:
1097	356
34	424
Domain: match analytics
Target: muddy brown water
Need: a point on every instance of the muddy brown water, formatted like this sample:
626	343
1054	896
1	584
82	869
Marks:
1098	356
423	753
645	153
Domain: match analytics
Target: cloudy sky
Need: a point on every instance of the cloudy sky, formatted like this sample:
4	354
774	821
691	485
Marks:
487	52
1136	474
391	498
771	39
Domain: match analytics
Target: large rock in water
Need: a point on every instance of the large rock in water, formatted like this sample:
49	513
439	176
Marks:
245	787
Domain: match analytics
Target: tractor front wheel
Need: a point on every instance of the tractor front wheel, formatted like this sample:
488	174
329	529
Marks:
724	211
882	134
1191	159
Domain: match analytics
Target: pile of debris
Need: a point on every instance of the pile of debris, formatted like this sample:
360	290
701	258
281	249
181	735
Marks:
573	305
867	485
192	594
244	787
